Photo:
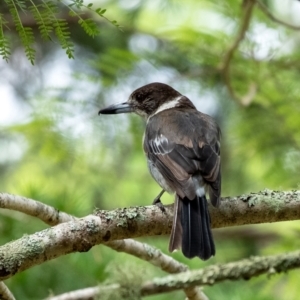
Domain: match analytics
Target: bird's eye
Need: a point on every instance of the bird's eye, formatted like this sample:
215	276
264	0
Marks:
139	97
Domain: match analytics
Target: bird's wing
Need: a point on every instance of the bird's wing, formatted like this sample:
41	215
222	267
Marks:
182	147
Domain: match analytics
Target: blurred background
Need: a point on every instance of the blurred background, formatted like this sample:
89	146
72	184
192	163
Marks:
56	149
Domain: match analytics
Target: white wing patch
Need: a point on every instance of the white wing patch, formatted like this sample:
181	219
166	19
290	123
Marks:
161	145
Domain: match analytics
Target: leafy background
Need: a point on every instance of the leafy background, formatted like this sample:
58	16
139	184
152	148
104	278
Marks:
56	149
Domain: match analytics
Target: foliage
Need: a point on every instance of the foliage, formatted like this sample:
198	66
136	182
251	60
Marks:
4	44
45	14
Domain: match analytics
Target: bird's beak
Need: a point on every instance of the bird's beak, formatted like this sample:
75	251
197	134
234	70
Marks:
117	109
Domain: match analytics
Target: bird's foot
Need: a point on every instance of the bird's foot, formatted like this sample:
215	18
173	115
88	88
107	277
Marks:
158	202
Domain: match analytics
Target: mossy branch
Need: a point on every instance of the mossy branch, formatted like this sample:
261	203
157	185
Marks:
107	226
240	270
243	269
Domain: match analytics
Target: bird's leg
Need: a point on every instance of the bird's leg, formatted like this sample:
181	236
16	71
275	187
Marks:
157	199
158	202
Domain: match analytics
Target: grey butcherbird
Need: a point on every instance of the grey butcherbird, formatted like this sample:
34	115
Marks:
182	146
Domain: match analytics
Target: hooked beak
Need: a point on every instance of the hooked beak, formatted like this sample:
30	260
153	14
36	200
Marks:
116	109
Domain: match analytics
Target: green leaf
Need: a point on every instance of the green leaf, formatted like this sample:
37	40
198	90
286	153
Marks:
89	26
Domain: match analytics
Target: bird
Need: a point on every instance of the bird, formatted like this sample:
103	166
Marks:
182	147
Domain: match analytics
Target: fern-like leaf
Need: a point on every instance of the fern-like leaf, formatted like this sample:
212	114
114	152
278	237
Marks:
25	33
45	15
4	44
61	29
41	16
89	26
63	34
77	3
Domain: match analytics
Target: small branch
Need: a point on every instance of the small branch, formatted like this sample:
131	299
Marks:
150	254
100	291
225	64
87	293
144	252
244	269
5	293
269	14
244	25
46	213
158	259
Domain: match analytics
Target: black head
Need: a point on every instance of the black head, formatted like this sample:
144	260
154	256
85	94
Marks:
145	100
148	98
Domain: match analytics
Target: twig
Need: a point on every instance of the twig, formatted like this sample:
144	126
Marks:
5	293
244	269
225	64
87	293
269	14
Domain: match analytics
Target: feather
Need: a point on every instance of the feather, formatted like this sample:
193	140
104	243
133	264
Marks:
197	237
176	233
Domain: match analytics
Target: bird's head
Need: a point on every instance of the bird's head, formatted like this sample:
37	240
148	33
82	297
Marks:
146	100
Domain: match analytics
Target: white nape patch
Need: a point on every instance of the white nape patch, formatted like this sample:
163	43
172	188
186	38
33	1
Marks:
168	105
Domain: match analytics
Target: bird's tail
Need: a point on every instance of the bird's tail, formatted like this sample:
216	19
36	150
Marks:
191	228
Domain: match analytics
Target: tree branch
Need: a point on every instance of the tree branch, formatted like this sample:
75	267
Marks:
44	212
107	226
268	13
228	56
51	216
158	259
5	293
244	269
87	293
266	206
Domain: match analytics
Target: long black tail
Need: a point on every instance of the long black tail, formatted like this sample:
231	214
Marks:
191	228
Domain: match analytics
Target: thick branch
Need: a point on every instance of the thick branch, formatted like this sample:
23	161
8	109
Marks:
145	252
244	269
263	207
106	226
